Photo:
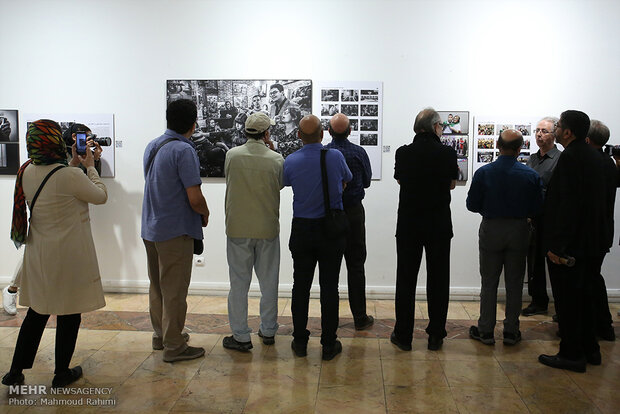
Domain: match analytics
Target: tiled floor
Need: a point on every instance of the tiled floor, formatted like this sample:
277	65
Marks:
370	376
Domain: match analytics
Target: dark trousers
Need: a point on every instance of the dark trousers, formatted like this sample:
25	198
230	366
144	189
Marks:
355	257
536	273
602	315
30	333
409	256
309	246
573	289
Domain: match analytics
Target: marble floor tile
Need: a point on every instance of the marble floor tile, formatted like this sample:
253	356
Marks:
523	351
421	399
212	305
421	311
113	363
127	302
457	311
606	375
419	351
94	339
384	309
192	302
482	373
147	394
213	396
413	373
286	396
465	350
132	341
360	348
351	372
282	348
45	361
9	337
254	306
556	400
606	399
526	375
351	399
473	400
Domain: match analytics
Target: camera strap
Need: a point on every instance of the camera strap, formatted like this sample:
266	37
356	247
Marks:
148	165
36	195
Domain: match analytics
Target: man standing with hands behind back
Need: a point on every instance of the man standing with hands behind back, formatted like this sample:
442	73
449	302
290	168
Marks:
173	212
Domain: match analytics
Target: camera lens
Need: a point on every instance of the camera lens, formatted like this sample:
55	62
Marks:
103	141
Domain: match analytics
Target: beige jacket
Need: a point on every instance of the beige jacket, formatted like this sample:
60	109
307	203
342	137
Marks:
60	274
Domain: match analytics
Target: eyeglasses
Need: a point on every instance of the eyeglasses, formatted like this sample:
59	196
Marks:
544	131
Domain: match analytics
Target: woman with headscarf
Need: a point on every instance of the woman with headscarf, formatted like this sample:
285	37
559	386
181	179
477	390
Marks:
60	273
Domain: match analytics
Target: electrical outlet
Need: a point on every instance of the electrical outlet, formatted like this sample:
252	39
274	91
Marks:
386	148
199	261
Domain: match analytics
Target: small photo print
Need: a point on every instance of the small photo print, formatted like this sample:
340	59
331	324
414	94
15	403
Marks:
525	130
502	127
486	129
329	109
329	95
459	144
454	122
485	157
349	95
523	157
526	144
369	125
463	165
354	123
370	92
369	110
350	110
486	143
8	126
325	123
368	139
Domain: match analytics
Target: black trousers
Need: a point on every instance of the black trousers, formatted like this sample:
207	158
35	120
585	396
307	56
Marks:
602	315
309	246
355	257
29	337
409	256
574	289
536	273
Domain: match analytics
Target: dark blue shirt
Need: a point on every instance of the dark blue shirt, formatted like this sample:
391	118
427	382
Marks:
302	171
359	164
505	189
166	212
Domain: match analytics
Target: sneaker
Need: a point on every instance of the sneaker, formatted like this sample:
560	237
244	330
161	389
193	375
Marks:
330	351
434	343
533	309
158	343
62	380
191	352
364	323
511	338
301	350
400	344
485	338
267	340
9	301
230	342
13	378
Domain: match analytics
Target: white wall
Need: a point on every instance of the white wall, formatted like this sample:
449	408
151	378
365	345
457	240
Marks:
525	58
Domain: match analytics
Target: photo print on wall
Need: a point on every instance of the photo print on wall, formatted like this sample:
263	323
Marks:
9	142
455	134
224	105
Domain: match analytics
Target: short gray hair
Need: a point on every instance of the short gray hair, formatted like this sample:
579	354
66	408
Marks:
425	120
554	120
598	133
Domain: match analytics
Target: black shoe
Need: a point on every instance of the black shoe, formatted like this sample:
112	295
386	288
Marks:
511	338
230	342
13	378
301	350
607	335
400	344
330	351
62	380
267	340
554	318
485	338
557	361
364	323
594	358
434	343
533	309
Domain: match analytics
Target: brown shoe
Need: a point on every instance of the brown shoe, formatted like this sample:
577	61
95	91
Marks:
190	353
158	343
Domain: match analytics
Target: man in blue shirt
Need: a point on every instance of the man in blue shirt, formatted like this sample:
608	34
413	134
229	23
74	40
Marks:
309	242
505	193
173	212
355	252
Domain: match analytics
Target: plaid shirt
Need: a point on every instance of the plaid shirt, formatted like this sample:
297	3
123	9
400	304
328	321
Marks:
359	164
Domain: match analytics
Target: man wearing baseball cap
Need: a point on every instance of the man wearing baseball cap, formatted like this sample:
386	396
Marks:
253	183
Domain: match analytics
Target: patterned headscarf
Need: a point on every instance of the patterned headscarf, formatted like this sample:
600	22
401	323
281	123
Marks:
45	146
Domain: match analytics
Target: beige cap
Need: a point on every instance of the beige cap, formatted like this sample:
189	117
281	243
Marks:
258	122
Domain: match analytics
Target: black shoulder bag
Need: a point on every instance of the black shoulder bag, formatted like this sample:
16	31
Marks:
335	223
198	244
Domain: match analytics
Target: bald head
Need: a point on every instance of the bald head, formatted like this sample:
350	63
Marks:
510	142
339	126
310	129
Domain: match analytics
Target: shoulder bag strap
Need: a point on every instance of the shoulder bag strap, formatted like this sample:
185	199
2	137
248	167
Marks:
148	165
47	177
324	179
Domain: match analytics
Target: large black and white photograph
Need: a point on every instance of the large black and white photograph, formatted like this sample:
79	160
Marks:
224	105
9	142
9	158
368	139
455	122
8	126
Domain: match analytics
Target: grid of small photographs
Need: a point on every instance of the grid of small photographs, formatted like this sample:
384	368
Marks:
360	105
487	133
455	135
9	142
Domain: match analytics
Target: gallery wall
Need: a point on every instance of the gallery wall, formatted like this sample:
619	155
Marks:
525	58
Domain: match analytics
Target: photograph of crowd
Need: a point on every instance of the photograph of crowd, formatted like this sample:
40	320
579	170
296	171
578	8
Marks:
459	144
349	110
369	110
486	143
526	130
455	122
374	92
354	124
485	157
368	139
502	127
329	109
370	98
349	95
369	125
486	129
329	95
224	105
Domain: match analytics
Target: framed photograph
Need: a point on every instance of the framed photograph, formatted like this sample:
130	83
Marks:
455	122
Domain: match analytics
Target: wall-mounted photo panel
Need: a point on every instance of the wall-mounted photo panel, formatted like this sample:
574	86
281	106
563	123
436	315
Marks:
224	105
9	142
102	125
455	134
362	103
